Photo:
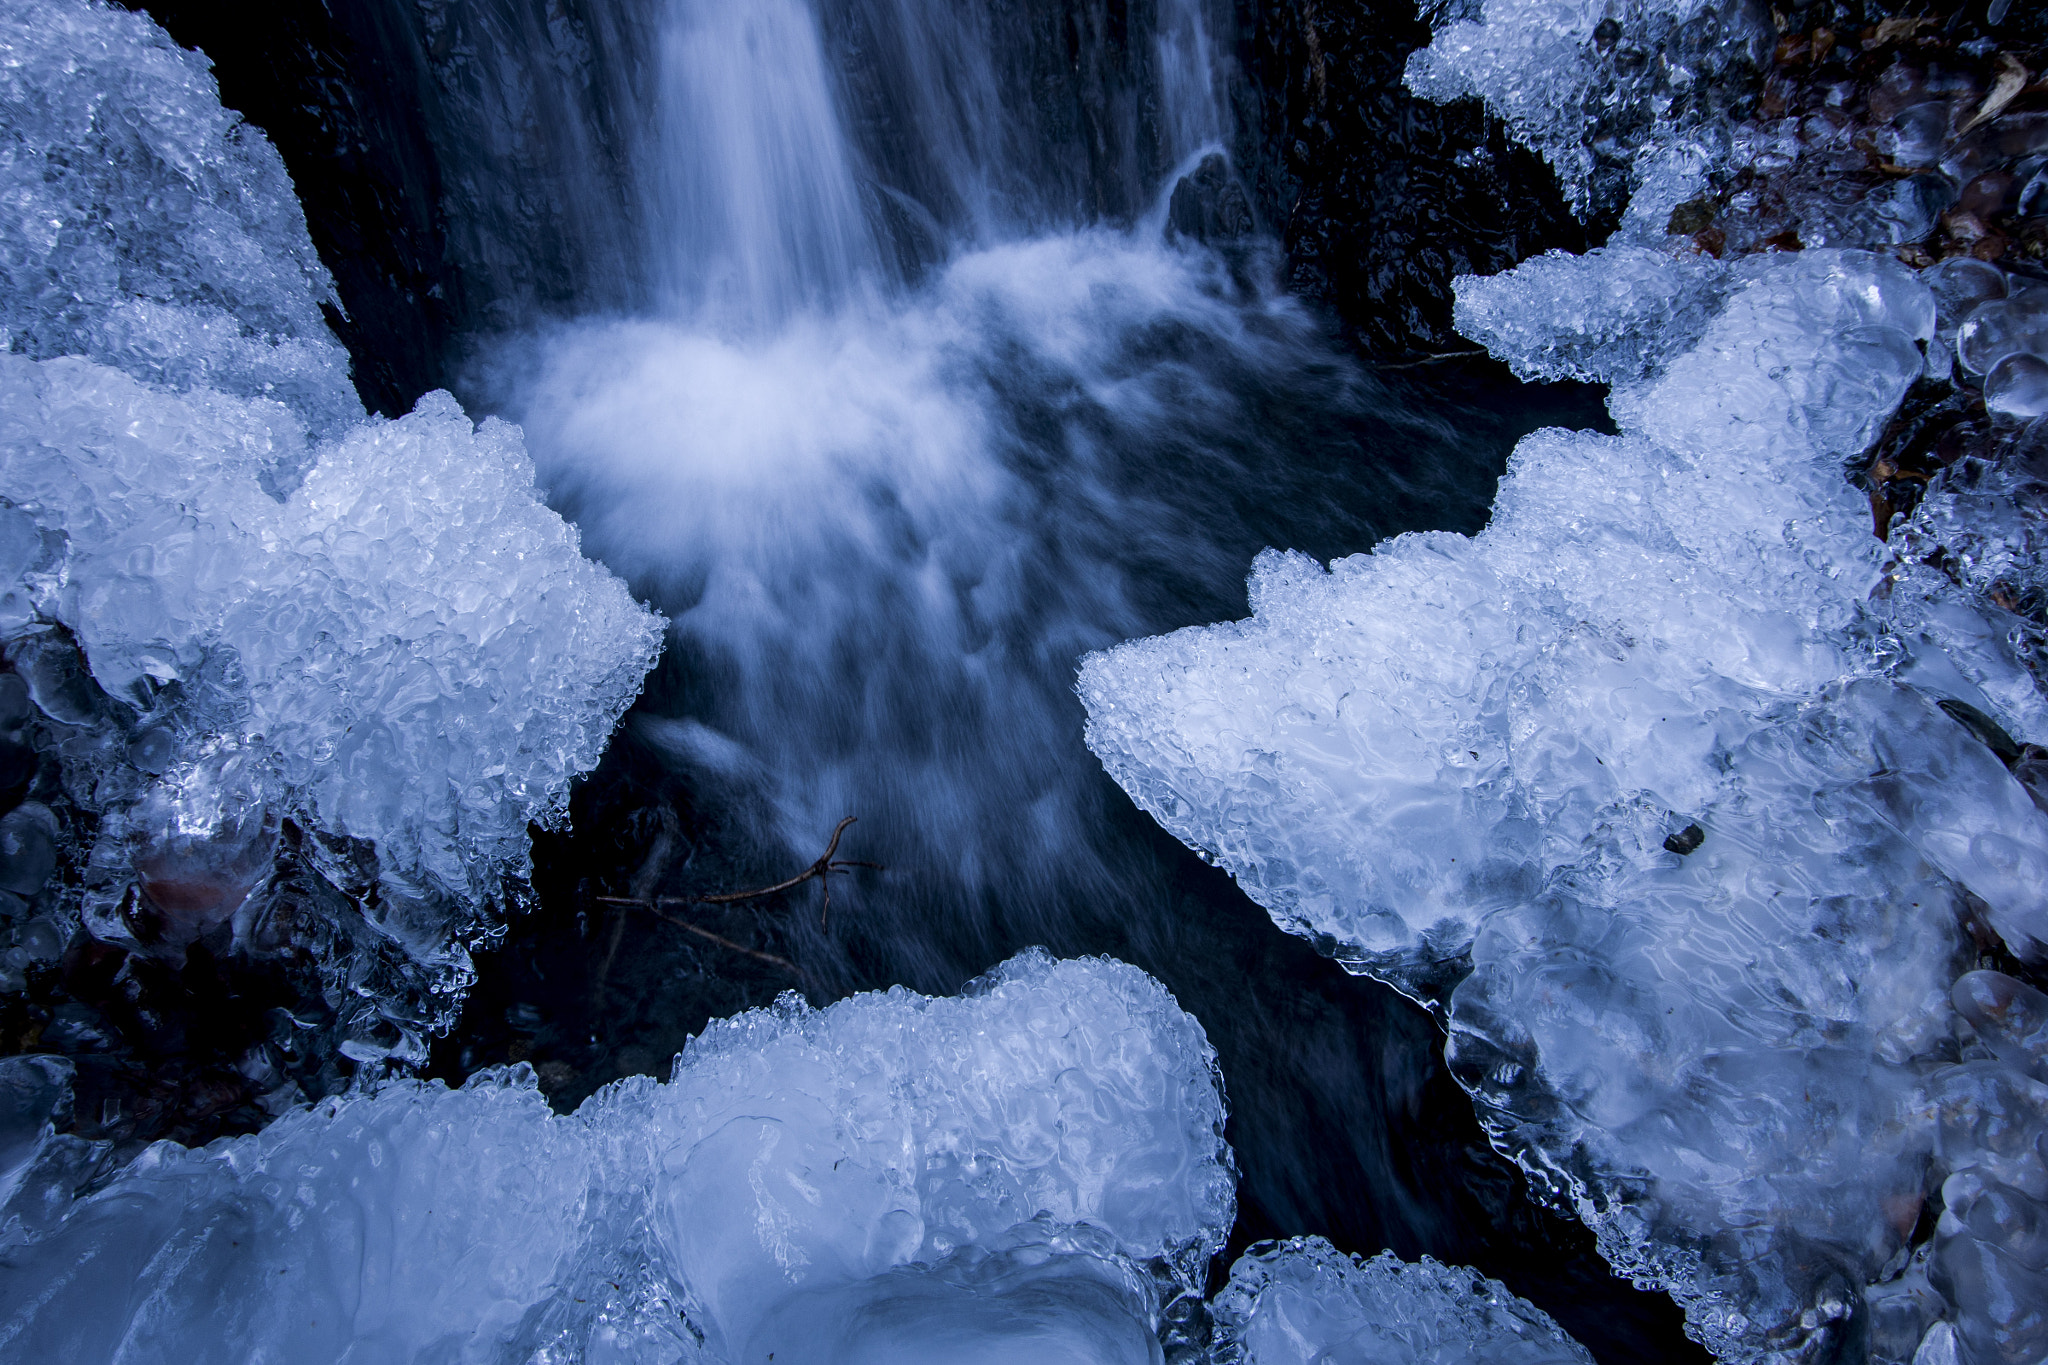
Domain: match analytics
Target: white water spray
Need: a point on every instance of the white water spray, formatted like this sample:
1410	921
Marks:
886	522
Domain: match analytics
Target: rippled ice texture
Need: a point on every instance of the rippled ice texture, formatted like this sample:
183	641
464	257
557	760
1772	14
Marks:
1594	85
146	226
1649	752
1030	1170
372	627
1303	1302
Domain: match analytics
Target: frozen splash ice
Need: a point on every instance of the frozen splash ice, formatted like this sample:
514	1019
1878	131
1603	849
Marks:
149	228
1041	1159
409	650
361	654
1594	86
1646	770
1302	1301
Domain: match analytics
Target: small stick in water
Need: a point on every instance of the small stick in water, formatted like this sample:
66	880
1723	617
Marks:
822	870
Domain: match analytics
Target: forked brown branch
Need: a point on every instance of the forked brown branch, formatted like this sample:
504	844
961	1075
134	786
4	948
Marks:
821	870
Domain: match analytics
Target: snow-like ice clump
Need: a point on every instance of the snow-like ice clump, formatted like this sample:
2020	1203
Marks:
1303	1302
1609	92
1684	790
294	621
1032	1171
148	227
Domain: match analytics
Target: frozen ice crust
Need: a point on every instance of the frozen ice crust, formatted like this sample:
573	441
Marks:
269	638
1035	1166
1672	772
1302	1301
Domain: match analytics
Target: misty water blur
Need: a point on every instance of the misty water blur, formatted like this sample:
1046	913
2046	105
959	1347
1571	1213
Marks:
888	508
912	402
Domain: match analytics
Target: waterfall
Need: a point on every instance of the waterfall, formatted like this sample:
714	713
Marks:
756	211
889	442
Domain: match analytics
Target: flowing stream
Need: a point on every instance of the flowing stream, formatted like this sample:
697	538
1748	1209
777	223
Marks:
906	398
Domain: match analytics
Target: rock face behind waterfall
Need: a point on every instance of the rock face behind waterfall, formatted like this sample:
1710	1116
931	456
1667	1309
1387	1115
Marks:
1380	198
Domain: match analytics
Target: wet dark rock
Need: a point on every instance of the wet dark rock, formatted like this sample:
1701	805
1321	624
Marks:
1209	205
1984	728
16	708
1381	199
18	762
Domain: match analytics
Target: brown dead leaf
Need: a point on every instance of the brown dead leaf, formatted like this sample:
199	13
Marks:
1892	30
2012	78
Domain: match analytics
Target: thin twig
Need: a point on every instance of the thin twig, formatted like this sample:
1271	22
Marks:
822	870
1438	358
701	932
658	858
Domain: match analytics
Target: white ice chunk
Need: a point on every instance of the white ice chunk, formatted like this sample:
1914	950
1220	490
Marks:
1598	317
1022	1169
1303	1302
147	227
1650	752
409	650
805	1151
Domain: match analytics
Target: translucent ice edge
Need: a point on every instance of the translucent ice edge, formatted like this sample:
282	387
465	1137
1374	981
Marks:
1302	1301
1660	756
1030	1171
1598	86
372	630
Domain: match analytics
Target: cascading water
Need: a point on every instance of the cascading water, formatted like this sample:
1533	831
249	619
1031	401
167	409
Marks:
916	414
756	214
886	519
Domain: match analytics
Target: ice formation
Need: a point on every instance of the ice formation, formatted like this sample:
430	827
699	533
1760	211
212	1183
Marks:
1303	1302
1594	86
1687	799
1699	802
1032	1171
149	228
333	666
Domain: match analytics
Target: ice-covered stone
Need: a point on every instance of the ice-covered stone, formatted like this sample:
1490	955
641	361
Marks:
1959	284
372	630
2017	386
1649	758
1999	328
1303	1302
149	228
1033	1166
408	650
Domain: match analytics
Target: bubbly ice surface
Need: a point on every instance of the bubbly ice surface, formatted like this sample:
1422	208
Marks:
1589	84
1033	1166
1303	1302
147	227
374	630
1653	770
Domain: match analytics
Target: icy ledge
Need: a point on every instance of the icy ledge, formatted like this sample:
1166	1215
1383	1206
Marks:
1686	792
300	680
1303	1302
1032	1171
